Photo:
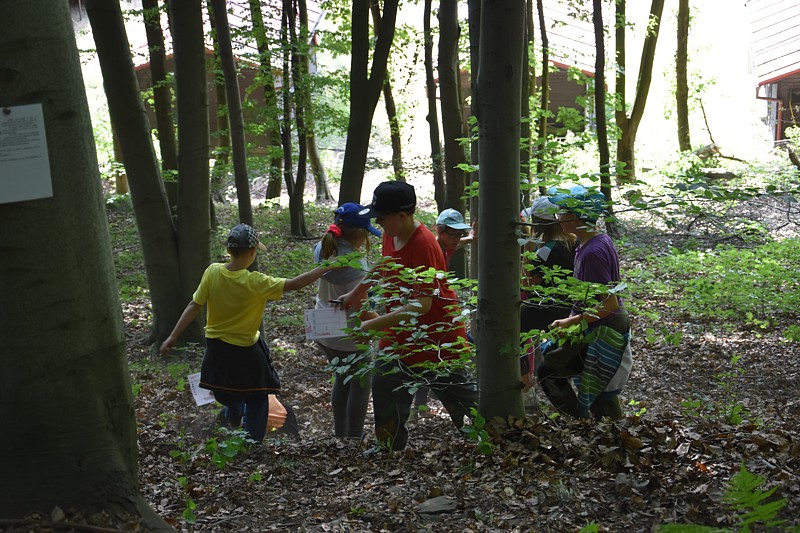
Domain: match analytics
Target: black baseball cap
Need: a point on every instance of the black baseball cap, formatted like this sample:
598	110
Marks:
390	197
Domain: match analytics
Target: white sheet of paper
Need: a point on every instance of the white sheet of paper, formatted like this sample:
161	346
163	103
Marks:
24	163
201	396
321	323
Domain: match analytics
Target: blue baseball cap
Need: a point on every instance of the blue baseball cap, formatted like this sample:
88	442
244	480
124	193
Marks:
347	214
587	203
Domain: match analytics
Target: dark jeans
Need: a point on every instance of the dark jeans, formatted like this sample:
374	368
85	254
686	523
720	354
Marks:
391	399
349	401
251	409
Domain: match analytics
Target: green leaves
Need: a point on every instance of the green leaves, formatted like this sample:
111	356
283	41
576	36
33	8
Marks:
743	495
758	286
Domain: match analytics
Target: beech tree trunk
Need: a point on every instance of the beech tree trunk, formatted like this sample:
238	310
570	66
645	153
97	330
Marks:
630	124
364	92
499	93
271	108
474	25
391	108
600	111
544	104
162	97
120	178
681	77
318	170
235	117
150	204
301	97
70	437
221	135
194	220
450	100
433	113
526	170
453	127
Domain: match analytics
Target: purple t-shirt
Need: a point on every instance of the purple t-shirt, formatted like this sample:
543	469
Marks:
597	261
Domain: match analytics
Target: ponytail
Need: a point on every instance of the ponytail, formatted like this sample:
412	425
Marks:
349	233
329	240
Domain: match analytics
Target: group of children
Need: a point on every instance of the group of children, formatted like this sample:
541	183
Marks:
422	339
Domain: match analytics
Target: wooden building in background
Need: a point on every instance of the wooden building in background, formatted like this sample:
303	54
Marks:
775	46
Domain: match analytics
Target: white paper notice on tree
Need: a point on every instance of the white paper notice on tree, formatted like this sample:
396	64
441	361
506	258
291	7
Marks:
24	163
201	396
323	323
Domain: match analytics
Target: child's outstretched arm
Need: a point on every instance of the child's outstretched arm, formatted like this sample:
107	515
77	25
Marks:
187	317
415	307
304	279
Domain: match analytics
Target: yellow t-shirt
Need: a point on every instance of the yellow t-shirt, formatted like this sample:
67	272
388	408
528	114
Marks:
235	302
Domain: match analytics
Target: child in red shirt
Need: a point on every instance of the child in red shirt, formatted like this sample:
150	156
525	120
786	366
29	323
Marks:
408	244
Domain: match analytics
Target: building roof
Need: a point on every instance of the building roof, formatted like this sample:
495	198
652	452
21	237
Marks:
240	22
571	37
775	39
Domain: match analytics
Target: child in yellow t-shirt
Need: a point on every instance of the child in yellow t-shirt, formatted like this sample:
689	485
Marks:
236	365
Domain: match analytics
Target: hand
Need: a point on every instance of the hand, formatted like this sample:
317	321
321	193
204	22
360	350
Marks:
166	346
350	301
566	322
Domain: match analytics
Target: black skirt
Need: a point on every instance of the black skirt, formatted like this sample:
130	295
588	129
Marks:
238	369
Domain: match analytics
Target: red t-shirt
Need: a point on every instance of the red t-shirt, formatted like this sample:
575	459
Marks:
422	250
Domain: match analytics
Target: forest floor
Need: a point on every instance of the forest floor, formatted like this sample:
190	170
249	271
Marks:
668	461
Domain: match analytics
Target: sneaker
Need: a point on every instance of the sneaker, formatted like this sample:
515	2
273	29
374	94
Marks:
224	421
374	452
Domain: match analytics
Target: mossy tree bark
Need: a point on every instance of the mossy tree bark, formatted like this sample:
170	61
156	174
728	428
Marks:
64	386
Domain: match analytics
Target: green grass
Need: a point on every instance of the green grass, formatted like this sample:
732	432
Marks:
758	287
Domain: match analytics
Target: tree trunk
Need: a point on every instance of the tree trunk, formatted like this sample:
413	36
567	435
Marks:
364	92
294	188
221	135
120	178
620	80
544	105
301	94
235	117
318	170
150	205
271	109
194	224
499	93
391	108
314	159
452	112
286	119
433	113
526	172
162	97
600	109
73	442
394	128
474	25
681	77
453	127
221	152
627	141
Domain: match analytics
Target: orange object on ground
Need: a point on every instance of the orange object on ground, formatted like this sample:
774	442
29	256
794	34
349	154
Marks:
277	414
